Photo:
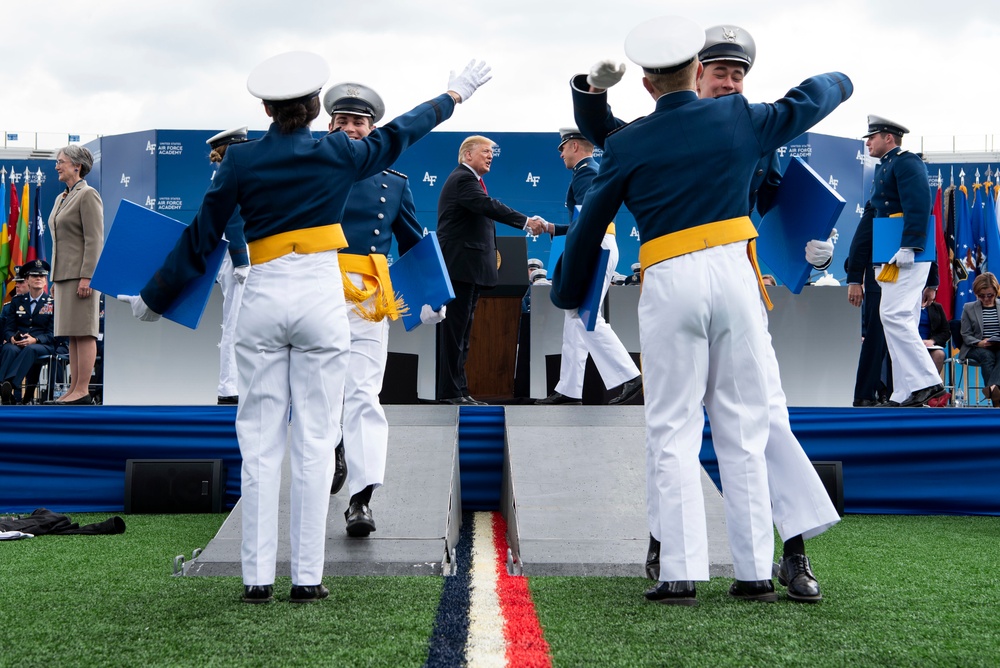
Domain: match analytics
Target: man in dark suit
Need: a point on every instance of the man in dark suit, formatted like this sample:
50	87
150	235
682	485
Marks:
468	242
27	330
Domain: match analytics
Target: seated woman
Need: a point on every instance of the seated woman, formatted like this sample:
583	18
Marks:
981	333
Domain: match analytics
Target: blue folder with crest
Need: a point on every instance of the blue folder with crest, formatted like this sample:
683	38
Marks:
887	233
420	277
591	306
805	208
136	246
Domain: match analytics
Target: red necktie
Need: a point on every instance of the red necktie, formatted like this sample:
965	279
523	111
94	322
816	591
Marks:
483	184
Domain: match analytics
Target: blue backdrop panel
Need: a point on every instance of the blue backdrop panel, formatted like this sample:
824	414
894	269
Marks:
73	459
919	461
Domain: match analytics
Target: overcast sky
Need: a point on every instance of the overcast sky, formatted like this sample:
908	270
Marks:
116	66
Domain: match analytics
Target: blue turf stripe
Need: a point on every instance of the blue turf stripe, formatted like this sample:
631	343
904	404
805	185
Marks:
480	456
451	626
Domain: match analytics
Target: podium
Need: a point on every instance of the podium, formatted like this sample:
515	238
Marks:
493	345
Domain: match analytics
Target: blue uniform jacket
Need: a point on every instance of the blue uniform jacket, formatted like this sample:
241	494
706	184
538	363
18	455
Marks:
379	207
583	177
900	186
238	251
664	167
285	182
594	119
20	320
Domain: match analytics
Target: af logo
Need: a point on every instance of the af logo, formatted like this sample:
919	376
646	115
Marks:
833	182
634	232
430	179
125	179
858	209
150	203
151	147
782	151
865	159
533	180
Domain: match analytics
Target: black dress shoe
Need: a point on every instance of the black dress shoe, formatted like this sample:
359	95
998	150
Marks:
888	403
339	469
85	400
459	401
920	397
653	559
865	403
794	572
678	592
229	401
475	402
558	399
753	590
258	593
309	594
630	390
360	522
6	393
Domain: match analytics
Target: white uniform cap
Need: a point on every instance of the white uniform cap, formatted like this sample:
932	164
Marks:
728	43
878	124
665	44
354	99
288	76
233	136
537	274
535	263
566	134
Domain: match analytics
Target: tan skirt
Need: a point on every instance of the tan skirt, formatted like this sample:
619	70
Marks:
75	316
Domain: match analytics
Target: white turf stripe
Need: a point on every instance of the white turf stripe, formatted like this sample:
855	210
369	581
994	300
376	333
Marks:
485	647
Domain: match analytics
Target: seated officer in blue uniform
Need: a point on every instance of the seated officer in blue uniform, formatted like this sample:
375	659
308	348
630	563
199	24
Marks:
28	333
378	209
702	335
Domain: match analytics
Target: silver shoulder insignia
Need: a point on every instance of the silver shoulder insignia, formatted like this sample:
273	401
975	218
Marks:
393	171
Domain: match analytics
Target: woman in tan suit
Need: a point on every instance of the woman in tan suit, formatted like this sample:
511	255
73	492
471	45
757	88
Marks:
77	226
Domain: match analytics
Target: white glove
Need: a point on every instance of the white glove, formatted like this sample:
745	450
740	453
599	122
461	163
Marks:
472	77
818	253
903	258
429	316
605	74
139	308
241	273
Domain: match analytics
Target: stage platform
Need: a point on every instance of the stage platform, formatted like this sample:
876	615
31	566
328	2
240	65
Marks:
417	511
575	493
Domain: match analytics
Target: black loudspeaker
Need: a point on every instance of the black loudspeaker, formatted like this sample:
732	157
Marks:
832	476
399	384
165	486
512	270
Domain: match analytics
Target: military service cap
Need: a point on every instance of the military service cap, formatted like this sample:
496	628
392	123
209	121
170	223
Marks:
34	268
728	43
567	134
877	124
355	99
665	44
288	76
227	137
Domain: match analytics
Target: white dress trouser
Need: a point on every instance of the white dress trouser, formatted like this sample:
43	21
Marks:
612	360
366	430
703	342
232	294
912	368
291	346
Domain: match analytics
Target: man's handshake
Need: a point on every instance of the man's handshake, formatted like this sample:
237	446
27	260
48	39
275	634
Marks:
538	225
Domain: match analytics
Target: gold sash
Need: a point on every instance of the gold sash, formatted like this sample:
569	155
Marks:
305	241
374	270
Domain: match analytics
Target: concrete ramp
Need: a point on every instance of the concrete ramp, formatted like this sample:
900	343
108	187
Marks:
417	511
574	493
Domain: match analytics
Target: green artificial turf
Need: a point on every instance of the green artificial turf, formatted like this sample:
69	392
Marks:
898	591
111	601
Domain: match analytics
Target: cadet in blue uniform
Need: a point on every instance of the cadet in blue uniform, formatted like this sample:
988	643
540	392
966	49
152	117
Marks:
612	360
232	275
378	208
702	337
801	507
900	188
292	345
27	332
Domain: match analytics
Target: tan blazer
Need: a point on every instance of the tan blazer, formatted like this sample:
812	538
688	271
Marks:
77	227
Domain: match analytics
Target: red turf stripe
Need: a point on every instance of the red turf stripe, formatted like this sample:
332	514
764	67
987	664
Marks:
526	644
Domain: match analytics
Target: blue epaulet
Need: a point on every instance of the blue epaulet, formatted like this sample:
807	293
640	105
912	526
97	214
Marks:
393	171
622	127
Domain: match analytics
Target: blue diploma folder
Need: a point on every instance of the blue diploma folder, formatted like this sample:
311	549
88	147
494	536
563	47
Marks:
805	208
591	306
137	244
420	277
887	234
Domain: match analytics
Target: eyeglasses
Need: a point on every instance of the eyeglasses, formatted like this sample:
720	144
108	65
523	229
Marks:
63	162
987	295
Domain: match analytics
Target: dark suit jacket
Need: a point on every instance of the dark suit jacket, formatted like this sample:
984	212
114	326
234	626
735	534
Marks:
21	320
972	327
466	231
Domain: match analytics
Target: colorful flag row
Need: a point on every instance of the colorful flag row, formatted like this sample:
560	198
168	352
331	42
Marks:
22	233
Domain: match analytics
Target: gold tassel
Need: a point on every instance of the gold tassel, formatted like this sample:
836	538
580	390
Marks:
889	273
